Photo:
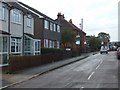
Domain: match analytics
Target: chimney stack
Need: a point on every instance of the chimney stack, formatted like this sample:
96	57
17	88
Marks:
70	21
60	16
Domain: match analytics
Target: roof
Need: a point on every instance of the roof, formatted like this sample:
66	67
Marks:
69	25
18	6
5	33
30	35
38	12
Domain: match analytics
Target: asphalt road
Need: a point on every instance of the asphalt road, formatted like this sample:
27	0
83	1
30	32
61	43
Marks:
97	71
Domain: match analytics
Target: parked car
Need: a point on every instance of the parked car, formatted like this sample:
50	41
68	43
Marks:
104	49
118	53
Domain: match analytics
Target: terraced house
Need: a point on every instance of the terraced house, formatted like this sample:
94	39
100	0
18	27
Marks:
47	29
24	30
17	35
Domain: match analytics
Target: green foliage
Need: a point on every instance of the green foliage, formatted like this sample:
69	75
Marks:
94	42
103	35
68	36
50	50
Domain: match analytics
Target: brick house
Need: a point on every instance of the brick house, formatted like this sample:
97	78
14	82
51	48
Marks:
47	29
80	35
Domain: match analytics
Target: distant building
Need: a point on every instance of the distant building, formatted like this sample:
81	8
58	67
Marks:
79	45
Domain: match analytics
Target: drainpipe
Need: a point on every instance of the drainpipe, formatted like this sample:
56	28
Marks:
9	43
23	36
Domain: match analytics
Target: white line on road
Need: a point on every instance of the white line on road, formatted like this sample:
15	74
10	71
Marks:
99	64
91	75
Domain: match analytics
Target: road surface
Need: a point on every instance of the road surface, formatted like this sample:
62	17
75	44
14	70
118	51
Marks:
96	71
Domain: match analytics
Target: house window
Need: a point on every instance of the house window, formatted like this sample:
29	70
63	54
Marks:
46	43
16	16
29	21
37	47
46	24
51	26
2	13
15	45
4	50
54	27
4	44
51	44
58	28
58	44
27	43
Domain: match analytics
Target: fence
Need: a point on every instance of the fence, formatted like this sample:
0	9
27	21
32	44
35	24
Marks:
17	63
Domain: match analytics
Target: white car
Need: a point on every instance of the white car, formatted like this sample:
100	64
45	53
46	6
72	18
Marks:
104	49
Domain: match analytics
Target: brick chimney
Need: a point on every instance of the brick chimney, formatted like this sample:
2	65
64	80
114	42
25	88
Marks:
70	21
60	16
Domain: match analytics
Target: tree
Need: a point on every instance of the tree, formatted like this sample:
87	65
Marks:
68	37
94	42
104	36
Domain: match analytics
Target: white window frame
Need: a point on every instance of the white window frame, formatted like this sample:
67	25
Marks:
51	26
51	44
1	44
58	44
37	52
58	28
2	13
16	16
29	21
16	42
45	43
55	28
46	24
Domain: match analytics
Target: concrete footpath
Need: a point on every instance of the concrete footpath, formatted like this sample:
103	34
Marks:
21	76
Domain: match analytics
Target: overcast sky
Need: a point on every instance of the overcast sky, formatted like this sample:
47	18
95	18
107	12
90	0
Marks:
98	15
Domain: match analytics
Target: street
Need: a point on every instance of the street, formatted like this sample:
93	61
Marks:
96	71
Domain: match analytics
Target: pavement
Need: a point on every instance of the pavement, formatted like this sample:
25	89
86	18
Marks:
21	76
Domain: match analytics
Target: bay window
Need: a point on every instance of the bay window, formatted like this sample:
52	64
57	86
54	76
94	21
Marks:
16	16
4	40
2	13
16	45
37	47
29	21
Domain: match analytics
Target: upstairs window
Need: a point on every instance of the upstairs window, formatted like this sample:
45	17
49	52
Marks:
46	24
54	27
58	28
2	13
16	16
51	26
29	21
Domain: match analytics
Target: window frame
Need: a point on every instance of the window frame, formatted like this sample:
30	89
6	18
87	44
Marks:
17	43
16	16
46	24
2	13
58	28
29	21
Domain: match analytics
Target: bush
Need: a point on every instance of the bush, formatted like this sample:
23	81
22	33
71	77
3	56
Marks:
50	50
